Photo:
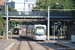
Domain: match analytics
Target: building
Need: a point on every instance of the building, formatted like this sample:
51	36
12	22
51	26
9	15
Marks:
21	5
1	4
0	0
24	5
11	4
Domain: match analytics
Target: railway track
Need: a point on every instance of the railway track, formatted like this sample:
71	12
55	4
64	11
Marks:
22	44
21	47
27	44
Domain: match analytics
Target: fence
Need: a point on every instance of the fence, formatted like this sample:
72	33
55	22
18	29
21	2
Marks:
38	13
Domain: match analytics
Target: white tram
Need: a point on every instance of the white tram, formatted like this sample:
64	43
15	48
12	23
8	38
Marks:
36	32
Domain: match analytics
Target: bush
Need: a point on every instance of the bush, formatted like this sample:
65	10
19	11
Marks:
16	30
2	24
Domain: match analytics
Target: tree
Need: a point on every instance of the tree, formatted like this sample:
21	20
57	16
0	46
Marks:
9	8
73	11
73	3
43	4
2	24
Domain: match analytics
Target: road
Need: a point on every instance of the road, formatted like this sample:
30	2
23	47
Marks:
28	44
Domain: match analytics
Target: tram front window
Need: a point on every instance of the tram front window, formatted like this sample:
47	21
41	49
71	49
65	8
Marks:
40	32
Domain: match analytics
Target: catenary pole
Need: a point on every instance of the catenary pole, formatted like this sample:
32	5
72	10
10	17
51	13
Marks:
7	24
48	22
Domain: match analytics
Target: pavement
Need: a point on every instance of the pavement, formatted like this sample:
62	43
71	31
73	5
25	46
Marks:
67	44
7	44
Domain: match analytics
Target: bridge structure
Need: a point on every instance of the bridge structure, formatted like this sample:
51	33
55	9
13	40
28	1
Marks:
34	15
41	16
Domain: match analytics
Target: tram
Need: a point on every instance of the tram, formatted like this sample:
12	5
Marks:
36	32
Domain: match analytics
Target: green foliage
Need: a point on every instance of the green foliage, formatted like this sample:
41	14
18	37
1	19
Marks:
13	22
11	11
73	3
20	22
16	22
16	28
68	4
2	24
9	8
43	4
27	23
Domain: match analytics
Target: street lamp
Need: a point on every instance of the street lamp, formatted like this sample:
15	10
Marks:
61	4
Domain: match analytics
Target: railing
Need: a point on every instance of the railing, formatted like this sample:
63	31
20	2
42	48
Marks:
36	13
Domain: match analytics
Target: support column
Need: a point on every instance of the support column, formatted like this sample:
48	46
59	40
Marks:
7	24
64	29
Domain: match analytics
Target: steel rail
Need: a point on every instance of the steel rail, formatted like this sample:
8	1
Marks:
19	45
30	46
43	45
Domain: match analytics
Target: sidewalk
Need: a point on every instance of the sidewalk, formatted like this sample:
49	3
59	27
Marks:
5	44
66	44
